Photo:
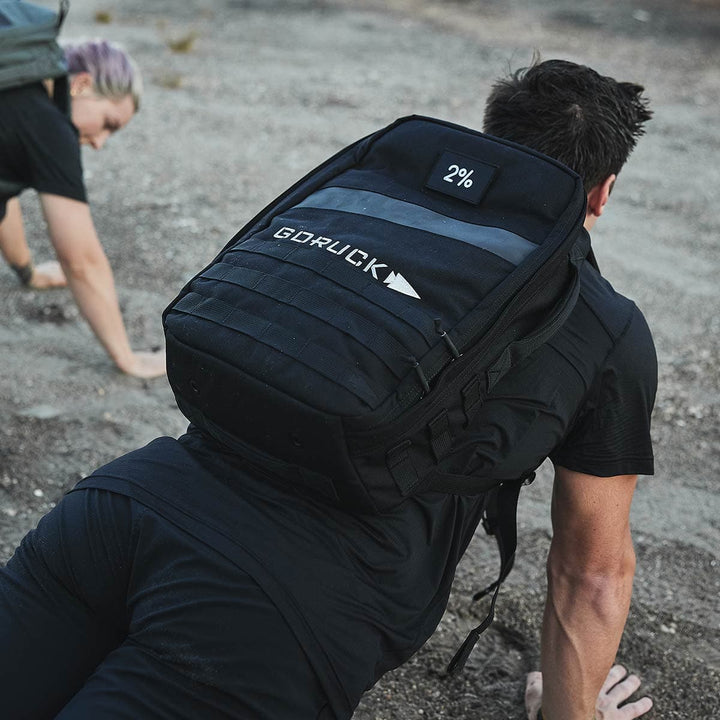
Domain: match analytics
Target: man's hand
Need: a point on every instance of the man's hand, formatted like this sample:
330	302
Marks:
47	275
533	694
618	687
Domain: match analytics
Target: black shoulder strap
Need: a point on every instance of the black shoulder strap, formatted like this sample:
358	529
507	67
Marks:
500	520
62	13
61	85
166	478
593	260
525	346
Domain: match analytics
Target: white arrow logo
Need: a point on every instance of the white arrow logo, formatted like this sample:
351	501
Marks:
395	281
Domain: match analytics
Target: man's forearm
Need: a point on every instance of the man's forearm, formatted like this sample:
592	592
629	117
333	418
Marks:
582	626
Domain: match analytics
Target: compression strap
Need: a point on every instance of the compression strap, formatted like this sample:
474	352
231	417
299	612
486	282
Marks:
501	521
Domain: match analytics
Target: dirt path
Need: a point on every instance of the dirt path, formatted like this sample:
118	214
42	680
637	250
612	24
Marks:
266	90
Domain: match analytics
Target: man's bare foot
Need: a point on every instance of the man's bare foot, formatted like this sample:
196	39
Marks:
47	275
145	364
618	687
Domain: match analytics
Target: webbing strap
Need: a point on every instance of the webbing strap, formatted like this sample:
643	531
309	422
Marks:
320	359
440	436
522	348
501	521
370	335
402	469
62	13
349	277
472	394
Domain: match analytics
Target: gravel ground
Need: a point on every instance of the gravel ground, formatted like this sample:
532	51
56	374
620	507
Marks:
244	96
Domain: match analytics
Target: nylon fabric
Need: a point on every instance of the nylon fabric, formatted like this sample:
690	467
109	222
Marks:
359	283
321	359
375	338
119	614
507	245
454	295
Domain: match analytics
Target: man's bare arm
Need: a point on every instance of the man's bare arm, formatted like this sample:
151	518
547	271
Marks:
590	570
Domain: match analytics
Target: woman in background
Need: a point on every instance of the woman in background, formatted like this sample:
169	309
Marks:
40	142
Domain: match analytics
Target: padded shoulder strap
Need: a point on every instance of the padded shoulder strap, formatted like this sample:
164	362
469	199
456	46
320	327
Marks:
62	13
516	351
166	478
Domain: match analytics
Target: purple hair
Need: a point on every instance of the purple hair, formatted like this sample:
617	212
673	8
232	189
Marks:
114	73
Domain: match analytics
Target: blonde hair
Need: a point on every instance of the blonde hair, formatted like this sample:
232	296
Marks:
115	74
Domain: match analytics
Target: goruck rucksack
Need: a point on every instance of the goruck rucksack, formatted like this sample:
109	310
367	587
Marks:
344	338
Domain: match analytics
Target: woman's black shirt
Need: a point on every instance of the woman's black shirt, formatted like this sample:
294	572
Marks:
39	146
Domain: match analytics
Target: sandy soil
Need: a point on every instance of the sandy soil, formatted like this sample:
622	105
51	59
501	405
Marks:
264	91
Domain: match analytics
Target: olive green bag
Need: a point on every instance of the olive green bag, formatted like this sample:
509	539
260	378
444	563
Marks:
29	51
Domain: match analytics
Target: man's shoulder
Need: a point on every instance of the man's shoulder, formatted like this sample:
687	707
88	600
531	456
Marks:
608	342
604	304
605	328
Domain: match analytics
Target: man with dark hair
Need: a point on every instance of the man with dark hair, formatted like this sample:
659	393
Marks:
591	123
571	113
126	602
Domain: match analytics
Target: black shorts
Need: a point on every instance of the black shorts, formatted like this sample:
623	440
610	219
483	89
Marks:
109	611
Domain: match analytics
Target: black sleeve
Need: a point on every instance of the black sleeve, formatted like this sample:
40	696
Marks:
611	434
53	153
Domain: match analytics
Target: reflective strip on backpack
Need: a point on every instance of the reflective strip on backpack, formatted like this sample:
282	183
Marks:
503	243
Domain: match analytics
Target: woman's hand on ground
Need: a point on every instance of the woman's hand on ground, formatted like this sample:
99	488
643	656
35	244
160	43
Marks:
618	687
145	364
47	275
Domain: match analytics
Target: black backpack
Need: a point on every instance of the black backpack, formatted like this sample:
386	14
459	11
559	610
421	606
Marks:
346	335
29	51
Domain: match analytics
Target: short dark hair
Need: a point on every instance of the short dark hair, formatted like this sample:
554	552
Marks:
587	121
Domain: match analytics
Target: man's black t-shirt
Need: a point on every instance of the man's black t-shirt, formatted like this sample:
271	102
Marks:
364	592
39	146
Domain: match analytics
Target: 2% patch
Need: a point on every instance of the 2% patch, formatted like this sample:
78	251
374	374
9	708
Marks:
460	176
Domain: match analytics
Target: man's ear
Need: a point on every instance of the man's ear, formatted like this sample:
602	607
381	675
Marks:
81	84
598	196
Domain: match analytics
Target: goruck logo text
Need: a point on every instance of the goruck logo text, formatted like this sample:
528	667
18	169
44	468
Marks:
355	256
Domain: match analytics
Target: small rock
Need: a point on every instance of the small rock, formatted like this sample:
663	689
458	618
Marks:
40	412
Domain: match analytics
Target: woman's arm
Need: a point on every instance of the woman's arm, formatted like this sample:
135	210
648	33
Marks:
15	250
90	278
